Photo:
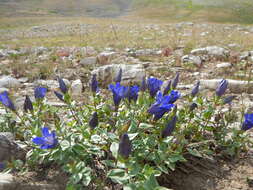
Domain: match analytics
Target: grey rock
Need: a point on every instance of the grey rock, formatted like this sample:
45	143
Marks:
10	150
213	51
133	73
145	52
88	61
9	82
224	65
51	84
196	60
76	87
244	55
235	86
88	50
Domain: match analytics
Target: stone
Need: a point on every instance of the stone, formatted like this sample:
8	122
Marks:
9	82
88	50
167	52
196	60
63	53
88	61
213	51
10	150
105	57
244	55
235	86
50	84
7	182
133	73
224	65
77	87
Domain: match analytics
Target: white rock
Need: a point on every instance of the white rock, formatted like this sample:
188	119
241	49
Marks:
106	74
51	84
9	82
214	51
88	61
88	50
76	87
196	60
224	65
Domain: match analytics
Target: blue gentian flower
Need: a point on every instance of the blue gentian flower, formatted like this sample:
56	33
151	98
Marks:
222	87
125	146
28	105
94	120
119	92
167	88
2	166
143	84
161	106
195	89
59	96
118	77
40	92
47	141
193	106
228	100
63	86
169	127
248	122
174	95
94	84
132	93
175	81
6	101
154	85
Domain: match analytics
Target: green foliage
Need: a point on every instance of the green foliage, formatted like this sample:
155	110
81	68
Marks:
90	156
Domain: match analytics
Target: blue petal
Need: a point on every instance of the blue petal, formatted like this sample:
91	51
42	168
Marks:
44	146
45	132
38	140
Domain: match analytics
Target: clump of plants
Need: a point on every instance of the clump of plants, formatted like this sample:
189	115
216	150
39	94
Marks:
140	133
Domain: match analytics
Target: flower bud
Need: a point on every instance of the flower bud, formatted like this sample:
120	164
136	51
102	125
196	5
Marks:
125	146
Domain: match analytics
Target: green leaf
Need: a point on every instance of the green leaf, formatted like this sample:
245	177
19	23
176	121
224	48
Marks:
151	183
132	136
97	139
119	176
194	152
114	149
65	144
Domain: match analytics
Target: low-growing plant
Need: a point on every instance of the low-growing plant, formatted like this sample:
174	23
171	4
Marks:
130	139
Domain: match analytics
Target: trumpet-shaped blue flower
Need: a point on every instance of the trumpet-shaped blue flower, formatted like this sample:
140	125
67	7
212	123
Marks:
161	106
229	99
248	122
132	93
143	84
175	81
40	92
2	166
169	127
59	96
118	77
174	95
94	84
195	89
119	92
63	86
47	141
125	146
6	101
222	87
28	105
154	85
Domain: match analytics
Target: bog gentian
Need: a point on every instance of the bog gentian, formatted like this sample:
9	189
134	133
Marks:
28	105
47	141
40	92
132	93
125	146
248	122
94	84
195	89
229	99
169	127
143	84
167	88
175	81
94	120
119	92
154	85
59	96
161	106
118	77
6	101
222	87
174	95
63	86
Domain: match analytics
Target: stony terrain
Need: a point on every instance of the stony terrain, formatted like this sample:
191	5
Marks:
199	51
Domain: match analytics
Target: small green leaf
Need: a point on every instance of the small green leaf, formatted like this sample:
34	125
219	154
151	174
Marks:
114	149
118	176
65	145
151	183
194	152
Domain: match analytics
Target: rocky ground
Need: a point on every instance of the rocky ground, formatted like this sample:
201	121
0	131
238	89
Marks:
23	67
